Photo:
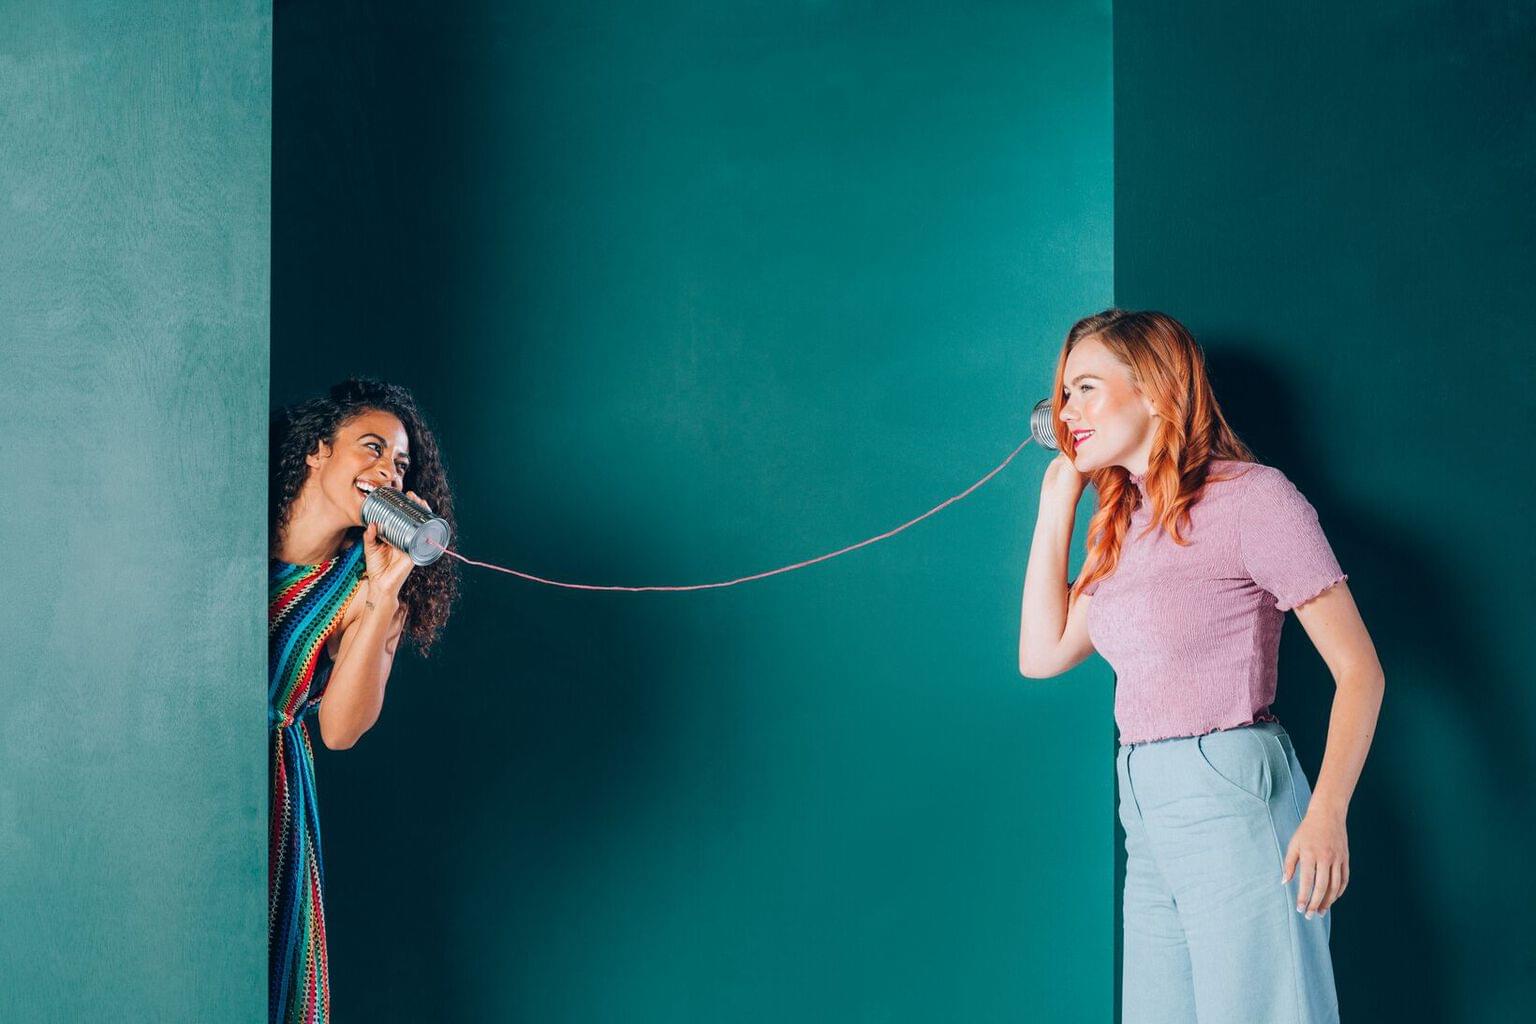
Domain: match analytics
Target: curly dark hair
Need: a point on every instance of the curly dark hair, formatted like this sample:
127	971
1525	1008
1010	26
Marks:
429	591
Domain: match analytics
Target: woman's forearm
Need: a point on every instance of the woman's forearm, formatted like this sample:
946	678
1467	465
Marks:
1043	612
1351	726
354	696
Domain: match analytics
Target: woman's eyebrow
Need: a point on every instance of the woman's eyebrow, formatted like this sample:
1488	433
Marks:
1082	375
385	440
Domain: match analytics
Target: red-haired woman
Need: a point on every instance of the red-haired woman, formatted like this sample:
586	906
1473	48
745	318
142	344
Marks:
1195	553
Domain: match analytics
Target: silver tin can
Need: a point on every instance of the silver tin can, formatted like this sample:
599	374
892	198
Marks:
407	525
1042	425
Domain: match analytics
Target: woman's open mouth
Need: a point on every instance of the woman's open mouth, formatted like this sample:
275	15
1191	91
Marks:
1079	437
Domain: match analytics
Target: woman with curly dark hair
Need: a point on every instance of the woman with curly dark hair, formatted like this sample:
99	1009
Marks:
340	599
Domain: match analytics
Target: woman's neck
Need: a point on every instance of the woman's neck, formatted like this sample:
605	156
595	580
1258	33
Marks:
307	542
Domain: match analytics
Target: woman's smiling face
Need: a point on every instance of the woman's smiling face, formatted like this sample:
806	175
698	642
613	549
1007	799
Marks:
371	450
1110	421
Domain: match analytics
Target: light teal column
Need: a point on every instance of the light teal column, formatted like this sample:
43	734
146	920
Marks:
134	232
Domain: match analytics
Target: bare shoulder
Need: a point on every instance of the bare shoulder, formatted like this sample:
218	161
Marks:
355	604
353	610
349	614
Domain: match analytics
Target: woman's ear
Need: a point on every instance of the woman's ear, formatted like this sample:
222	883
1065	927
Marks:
320	454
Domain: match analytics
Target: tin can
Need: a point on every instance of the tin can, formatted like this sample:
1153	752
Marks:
407	525
1042	426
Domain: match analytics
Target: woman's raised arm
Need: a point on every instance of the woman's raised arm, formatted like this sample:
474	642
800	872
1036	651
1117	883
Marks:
1052	637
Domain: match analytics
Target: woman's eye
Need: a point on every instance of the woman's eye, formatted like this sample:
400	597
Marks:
378	449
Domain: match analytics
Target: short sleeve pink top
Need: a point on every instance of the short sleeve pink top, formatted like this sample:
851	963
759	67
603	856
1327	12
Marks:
1193	633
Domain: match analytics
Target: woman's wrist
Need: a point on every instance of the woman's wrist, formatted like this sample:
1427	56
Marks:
383	600
1328	807
1060	501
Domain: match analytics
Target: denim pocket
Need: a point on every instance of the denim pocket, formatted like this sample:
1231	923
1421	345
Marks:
1238	759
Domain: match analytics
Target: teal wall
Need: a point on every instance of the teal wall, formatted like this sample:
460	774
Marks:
134	213
696	293
1338	203
692	291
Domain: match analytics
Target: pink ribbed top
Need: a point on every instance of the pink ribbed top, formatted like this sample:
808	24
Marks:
1193	633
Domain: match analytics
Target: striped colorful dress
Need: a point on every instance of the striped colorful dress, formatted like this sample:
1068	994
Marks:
303	611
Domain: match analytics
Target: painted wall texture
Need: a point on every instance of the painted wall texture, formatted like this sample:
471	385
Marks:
1337	202
693	291
134	232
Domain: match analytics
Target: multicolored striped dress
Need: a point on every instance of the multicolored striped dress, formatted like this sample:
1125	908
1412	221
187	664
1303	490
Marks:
304	609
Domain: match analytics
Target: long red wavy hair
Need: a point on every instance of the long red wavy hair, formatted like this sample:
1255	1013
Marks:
1168	368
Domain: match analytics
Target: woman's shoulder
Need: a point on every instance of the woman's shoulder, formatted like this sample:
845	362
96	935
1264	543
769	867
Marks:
351	608
1261	495
1235	488
1243	476
1239	468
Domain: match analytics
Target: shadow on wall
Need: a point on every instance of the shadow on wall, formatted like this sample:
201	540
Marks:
524	772
1381	923
497	763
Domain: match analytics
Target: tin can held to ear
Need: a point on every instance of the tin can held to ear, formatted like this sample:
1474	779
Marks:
1042	425
407	525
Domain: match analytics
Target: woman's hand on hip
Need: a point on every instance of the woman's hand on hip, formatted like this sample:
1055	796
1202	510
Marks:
1320	848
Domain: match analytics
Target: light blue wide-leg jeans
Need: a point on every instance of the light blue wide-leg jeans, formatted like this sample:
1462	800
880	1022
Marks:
1211	936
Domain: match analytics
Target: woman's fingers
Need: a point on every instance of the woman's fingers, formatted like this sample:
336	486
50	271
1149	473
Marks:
1336	889
1328	882
1322	879
1305	877
1319	883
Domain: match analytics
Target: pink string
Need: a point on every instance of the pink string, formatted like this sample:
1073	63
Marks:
756	576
